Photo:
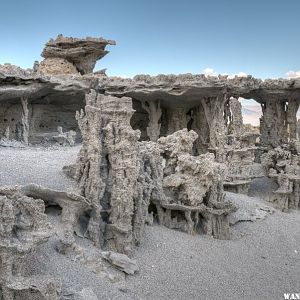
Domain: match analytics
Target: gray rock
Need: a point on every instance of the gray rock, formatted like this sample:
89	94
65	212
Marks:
121	261
80	55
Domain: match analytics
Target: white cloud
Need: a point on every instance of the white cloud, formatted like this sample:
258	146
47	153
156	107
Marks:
211	72
293	74
240	74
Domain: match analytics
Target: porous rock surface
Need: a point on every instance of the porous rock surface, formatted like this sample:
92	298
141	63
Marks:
23	227
154	149
72	55
121	176
283	165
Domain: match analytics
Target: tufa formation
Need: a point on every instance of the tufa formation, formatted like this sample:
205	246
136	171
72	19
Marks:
154	149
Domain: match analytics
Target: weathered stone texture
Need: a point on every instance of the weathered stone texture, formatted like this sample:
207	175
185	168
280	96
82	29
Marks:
193	199
56	66
67	55
108	167
23	226
167	160
283	165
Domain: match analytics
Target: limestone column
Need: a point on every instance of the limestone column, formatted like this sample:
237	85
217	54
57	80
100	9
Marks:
200	126
121	142
236	117
154	112
292	109
176	119
273	125
108	169
214	110
25	119
91	156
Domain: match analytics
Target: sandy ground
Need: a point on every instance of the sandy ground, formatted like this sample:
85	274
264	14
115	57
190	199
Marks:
261	261
37	165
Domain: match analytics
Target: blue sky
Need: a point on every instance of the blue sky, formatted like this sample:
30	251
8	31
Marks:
261	38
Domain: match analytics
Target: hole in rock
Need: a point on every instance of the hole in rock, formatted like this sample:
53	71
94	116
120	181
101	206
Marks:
53	210
251	112
153	209
84	222
190	119
139	119
179	215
